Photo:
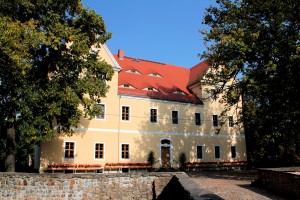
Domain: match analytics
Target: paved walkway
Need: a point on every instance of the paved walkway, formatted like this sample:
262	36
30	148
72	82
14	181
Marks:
232	185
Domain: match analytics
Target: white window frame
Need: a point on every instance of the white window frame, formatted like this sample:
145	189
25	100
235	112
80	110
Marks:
129	115
103	151
128	151
177	117
213	94
156	115
219	152
104	116
213	120
65	150
203	148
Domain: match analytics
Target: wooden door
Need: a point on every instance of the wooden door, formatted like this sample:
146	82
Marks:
165	157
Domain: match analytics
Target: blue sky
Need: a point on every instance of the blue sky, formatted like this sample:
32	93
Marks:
165	31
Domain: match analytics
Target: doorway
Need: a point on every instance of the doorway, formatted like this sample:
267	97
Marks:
165	149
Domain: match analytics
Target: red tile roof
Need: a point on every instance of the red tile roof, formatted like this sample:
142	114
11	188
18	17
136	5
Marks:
168	81
197	72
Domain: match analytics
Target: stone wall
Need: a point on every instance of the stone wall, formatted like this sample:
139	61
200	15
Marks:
98	186
82	186
285	181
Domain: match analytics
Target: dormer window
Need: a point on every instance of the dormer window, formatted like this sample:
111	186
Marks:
151	89
127	86
179	92
155	74
133	71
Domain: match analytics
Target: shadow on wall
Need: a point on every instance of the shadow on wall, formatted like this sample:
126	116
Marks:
175	190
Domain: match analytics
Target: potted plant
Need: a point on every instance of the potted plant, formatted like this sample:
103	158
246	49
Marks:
182	161
151	160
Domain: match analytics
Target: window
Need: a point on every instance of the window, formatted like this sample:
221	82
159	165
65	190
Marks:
233	152
179	92
102	115
213	94
199	152
99	151
217	152
154	74
125	151
198	119
69	149
165	142
215	120
153	115
230	121
175	117
125	113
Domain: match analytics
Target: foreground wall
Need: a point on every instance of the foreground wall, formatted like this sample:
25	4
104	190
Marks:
100	186
284	181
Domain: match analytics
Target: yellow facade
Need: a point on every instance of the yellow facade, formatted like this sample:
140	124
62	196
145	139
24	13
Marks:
144	136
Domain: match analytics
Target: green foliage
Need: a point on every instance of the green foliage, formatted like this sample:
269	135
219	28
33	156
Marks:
151	158
258	43
182	159
47	66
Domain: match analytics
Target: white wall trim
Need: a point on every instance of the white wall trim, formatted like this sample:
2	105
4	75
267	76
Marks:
159	133
116	64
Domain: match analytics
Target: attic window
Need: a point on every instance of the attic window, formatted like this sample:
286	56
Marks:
133	71
127	86
135	60
151	89
155	74
179	92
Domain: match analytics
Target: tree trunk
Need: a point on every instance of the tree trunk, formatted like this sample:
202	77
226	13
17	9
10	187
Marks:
10	162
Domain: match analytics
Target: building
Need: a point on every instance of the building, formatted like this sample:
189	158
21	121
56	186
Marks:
157	107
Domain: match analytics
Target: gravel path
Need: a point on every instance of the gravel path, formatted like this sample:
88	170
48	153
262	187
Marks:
232	184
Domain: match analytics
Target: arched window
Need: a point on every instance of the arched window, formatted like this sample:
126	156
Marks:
165	141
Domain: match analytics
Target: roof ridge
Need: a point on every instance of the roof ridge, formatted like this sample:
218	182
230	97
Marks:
145	60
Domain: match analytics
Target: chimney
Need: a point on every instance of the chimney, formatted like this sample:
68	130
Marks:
121	54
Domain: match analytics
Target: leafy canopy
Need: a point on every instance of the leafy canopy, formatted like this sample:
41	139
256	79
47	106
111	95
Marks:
257	43
48	67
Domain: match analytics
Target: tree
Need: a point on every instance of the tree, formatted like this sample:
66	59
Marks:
49	67
257	44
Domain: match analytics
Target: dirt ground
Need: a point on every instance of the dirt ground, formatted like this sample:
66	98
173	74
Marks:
232	184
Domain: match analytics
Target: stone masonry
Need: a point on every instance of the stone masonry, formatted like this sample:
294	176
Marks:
82	186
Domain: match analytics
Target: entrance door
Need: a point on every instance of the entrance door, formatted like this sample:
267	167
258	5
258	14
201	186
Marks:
165	157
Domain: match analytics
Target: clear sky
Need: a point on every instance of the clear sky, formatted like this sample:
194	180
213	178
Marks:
165	31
